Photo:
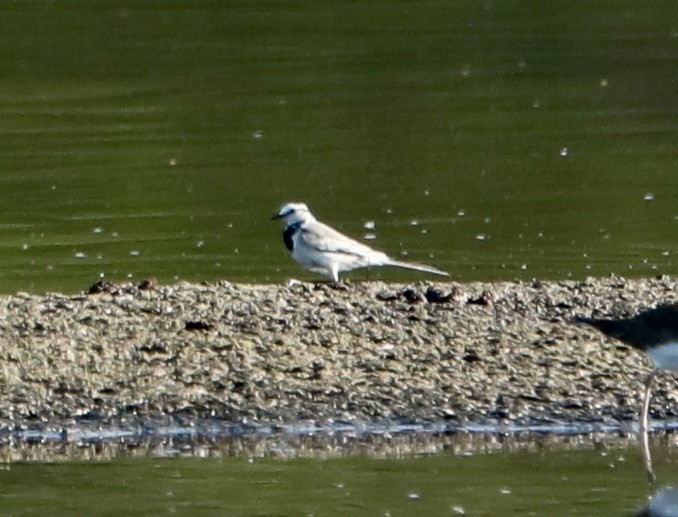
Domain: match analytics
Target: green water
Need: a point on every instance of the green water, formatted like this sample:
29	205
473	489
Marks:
155	138
584	482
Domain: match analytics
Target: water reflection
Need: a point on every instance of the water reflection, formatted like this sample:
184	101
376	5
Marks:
647	455
664	503
218	439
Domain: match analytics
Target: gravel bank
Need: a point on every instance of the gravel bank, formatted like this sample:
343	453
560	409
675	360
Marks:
479	352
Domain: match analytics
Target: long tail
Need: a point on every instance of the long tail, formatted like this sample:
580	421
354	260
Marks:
415	267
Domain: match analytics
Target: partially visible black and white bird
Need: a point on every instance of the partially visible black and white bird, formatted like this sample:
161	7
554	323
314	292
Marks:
654	332
322	249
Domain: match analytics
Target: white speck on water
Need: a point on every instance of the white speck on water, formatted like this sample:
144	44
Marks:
115	234
404	253
53	187
98	230
258	134
413	496
229	225
340	485
135	253
80	255
369	237
603	82
459	510
487	220
523	267
564	152
465	70
505	491
481	237
536	103
427	193
24	246
369	225
666	253
461	213
236	251
200	244
414	222
50	267
424	231
649	196
173	162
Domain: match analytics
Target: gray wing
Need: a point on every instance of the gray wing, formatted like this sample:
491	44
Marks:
321	237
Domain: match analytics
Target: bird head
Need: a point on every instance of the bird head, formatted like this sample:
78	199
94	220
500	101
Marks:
292	213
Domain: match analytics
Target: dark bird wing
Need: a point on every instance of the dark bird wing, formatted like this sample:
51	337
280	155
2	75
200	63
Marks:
647	329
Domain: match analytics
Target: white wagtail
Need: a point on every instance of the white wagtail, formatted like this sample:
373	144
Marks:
324	250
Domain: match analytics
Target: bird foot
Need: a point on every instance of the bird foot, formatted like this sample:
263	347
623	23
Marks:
337	286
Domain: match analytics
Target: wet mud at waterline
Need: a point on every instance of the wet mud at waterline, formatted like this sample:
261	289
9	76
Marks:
478	353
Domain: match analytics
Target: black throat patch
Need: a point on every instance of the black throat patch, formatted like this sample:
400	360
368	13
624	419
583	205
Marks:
288	233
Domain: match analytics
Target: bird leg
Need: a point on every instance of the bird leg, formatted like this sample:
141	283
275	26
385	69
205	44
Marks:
644	430
647	456
644	420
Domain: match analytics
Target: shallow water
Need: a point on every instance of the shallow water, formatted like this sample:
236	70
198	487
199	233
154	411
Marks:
392	470
496	140
602	479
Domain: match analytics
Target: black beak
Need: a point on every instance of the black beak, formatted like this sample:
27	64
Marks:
275	217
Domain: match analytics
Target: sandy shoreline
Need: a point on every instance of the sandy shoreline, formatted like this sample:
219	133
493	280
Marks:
479	352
